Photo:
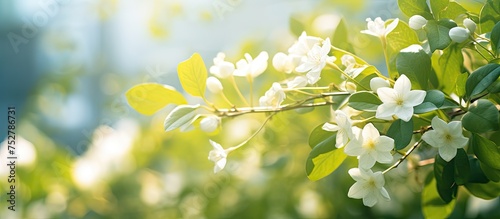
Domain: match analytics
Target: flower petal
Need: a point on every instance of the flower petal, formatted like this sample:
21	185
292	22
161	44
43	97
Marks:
370	132
447	152
405	113
219	165
370	200
366	161
387	95
385	143
358	190
402	85
385	194
414	97
330	127
385	110
353	148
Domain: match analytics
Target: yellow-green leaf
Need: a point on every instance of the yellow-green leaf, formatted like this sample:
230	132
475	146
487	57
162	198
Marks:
148	98
324	159
193	75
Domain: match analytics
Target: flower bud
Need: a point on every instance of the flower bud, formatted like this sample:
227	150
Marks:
417	22
214	85
209	123
459	34
378	82
470	25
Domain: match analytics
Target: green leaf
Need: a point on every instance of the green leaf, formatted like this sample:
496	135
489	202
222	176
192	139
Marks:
193	75
341	37
480	79
445	179
180	117
460	84
495	38
450	63
323	160
437	35
433	100
413	7
401	132
433	206
491	173
482	117
148	98
453	11
320	137
486	151
476	172
296	26
489	16
364	77
486	191
364	101
416	65
401	37
462	167
437	6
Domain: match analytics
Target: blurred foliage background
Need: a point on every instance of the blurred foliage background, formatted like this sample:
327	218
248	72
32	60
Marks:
84	153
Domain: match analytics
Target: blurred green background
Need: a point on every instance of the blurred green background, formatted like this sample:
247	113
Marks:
84	153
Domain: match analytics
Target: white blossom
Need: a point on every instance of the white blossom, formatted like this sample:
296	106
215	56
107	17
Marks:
369	147
447	137
315	61
378	82
210	123
303	45
459	34
399	100
221	68
214	85
299	81
417	22
369	186
343	128
273	97
377	27
285	63
218	155
250	67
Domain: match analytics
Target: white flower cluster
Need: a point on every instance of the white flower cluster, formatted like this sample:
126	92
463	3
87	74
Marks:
308	56
457	34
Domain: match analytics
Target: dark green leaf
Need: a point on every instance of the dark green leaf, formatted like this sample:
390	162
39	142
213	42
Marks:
320	137
364	101
486	191
495	38
401	132
491	173
433	206
437	35
416	65
413	7
434	99
480	79
486	151
444	173
462	167
476	173
482	117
